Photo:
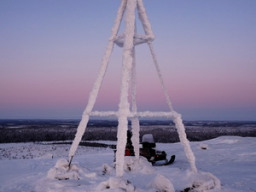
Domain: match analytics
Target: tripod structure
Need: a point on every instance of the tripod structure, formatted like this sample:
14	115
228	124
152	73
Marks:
128	110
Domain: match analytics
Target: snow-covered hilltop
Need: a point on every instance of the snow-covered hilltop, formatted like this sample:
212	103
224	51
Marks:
25	167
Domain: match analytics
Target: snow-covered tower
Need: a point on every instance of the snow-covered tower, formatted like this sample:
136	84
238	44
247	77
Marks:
128	110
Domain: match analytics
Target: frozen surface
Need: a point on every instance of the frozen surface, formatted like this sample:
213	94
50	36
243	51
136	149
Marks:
29	167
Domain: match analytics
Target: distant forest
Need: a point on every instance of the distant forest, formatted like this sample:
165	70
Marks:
13	131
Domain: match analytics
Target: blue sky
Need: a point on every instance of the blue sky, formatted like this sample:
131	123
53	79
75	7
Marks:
50	53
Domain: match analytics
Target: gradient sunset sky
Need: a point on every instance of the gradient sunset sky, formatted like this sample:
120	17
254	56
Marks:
51	50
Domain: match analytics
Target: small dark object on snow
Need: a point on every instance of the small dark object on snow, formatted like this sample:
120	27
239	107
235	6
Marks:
148	150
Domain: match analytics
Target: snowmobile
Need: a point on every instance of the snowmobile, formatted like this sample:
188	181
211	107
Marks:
148	150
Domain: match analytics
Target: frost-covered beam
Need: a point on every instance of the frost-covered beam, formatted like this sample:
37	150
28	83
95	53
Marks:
137	40
134	114
153	114
104	114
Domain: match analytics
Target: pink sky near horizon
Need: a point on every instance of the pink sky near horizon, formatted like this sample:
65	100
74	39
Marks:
51	52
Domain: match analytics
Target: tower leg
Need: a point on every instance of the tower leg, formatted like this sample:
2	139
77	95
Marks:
177	117
135	120
124	108
96	87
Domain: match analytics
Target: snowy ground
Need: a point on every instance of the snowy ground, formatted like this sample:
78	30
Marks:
25	166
